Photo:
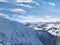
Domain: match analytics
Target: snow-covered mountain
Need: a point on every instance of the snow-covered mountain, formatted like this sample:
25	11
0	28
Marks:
51	27
15	33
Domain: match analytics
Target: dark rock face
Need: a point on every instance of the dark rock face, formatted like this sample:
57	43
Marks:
46	38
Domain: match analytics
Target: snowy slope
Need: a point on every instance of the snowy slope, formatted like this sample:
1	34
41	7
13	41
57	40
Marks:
14	33
52	27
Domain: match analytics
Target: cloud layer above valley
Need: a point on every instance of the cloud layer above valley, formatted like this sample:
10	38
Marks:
33	19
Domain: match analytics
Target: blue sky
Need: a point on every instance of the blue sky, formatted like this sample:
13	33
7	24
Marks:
30	10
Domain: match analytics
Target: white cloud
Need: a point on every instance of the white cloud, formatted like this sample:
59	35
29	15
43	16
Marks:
3	0
17	10
38	19
3	15
24	5
24	0
28	6
51	3
16	1
19	1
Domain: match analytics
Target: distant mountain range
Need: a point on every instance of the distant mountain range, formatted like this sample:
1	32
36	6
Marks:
51	27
